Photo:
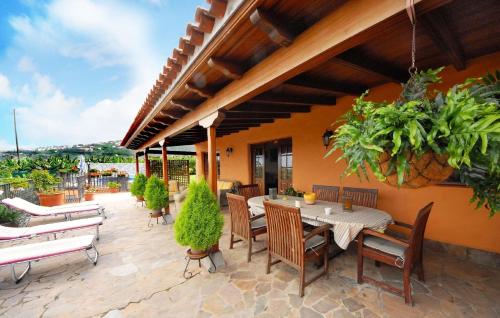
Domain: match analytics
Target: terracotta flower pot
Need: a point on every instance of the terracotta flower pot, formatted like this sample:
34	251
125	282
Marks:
89	196
430	168
52	199
114	190
139	198
156	213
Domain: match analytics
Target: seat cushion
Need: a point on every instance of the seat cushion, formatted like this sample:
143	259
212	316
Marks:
259	223
314	241
385	246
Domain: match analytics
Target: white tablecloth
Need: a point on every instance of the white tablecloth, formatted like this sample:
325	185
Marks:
346	225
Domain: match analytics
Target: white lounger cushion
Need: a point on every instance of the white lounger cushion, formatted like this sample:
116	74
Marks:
34	251
38	210
10	233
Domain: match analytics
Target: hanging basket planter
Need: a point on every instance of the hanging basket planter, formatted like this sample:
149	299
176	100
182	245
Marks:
428	169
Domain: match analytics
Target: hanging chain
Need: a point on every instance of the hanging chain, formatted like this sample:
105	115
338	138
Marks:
410	9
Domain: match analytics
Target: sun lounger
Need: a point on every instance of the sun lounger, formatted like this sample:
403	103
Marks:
37	251
15	233
37	210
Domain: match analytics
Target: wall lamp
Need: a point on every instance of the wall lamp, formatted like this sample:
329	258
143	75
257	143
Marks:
326	138
229	151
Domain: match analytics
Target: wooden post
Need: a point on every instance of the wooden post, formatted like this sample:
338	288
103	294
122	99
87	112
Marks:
136	163
212	160
210	123
164	160
147	163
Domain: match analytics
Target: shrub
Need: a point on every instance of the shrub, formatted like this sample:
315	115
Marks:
7	215
44	182
114	185
15	182
139	185
199	223
156	194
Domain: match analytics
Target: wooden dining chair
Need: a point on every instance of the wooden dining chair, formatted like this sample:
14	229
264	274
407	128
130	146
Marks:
361	196
326	193
249	190
404	254
288	243
243	225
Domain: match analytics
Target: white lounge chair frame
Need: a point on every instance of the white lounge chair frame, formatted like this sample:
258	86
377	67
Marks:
17	278
20	233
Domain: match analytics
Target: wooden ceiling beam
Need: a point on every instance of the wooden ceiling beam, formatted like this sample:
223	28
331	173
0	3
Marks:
246	115
201	91
437	27
227	68
187	105
231	121
272	26
259	108
286	99
357	60
326	86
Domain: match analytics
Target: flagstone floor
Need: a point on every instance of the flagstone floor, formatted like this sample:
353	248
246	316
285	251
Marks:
139	274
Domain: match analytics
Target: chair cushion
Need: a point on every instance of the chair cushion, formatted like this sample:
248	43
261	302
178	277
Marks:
385	246
313	242
259	223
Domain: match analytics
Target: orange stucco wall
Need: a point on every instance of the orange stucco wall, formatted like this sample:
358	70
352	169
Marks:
453	219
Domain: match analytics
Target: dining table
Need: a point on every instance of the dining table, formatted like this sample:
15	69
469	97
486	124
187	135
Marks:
346	225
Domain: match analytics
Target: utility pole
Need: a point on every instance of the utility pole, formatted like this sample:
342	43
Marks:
15	134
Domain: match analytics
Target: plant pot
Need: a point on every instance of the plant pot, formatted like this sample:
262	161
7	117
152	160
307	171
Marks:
156	213
140	198
114	190
89	196
430	168
195	253
52	199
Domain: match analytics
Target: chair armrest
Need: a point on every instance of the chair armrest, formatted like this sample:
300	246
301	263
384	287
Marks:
321	229
385	237
402	224
253	218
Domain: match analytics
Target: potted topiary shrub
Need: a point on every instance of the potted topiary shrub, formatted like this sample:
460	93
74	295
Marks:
45	185
139	186
156	195
114	187
200	221
421	138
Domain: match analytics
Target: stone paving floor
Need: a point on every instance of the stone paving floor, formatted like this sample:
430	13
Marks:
139	274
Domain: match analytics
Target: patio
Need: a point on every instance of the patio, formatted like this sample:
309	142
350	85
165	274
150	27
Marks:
139	274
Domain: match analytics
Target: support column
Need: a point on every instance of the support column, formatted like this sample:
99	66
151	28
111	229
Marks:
136	163
164	160
210	123
147	164
212	159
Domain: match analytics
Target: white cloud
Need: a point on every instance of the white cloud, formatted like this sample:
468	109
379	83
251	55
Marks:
102	34
25	64
45	113
5	90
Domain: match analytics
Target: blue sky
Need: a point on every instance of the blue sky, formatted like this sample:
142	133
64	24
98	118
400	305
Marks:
77	71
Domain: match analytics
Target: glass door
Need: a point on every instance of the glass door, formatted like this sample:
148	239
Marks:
258	166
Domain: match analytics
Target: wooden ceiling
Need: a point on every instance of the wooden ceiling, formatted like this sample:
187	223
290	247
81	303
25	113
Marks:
451	34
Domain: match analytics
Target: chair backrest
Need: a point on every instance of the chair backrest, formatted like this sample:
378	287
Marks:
249	190
285	233
240	216
326	193
416	238
361	196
